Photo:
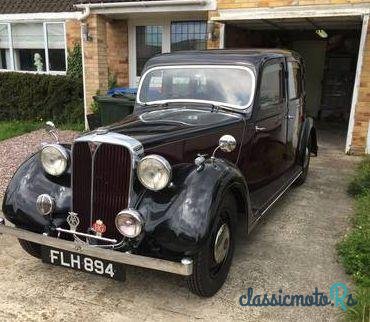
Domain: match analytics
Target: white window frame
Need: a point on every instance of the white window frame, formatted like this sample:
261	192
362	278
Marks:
165	23
46	48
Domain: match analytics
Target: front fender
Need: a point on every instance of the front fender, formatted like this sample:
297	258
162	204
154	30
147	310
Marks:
180	217
30	180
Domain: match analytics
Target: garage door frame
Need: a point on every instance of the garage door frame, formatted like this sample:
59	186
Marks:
318	11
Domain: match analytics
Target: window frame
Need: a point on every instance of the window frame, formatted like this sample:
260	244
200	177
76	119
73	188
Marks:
299	80
46	48
282	85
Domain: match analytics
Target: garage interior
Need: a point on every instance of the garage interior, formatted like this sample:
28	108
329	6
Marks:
330	49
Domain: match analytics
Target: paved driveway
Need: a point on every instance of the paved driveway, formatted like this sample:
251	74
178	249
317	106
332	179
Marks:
293	250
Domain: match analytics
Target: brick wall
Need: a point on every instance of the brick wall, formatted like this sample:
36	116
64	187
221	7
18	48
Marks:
362	116
73	33
117	42
235	4
95	59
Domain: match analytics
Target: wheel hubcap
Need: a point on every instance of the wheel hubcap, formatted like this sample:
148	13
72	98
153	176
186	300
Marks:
222	243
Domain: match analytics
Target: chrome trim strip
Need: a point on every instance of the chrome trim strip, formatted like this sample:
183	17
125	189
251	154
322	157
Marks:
277	198
185	267
109	240
222	104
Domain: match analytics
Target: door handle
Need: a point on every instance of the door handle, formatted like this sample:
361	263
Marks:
259	129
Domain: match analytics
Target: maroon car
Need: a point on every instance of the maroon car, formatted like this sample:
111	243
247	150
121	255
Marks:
216	138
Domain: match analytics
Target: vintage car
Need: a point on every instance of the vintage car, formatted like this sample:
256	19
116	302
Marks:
216	138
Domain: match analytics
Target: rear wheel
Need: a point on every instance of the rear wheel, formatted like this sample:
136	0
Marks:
305	165
212	263
31	248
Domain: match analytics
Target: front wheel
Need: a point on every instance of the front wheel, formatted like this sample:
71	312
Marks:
212	263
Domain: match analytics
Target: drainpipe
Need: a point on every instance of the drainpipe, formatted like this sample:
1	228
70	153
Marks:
85	14
84	37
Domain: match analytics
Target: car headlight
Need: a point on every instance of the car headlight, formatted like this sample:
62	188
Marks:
54	159
129	223
154	172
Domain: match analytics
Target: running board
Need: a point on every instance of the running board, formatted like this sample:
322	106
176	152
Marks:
274	200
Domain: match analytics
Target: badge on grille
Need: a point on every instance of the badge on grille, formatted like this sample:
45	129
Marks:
73	221
99	227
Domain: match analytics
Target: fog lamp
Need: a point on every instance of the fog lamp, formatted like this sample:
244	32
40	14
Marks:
129	223
45	204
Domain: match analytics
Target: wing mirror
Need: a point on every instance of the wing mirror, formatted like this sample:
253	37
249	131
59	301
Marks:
51	129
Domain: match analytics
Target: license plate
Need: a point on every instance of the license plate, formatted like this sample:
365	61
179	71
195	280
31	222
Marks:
83	263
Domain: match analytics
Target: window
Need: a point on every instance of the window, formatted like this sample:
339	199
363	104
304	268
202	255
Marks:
56	46
37	47
5	58
230	86
148	44
271	85
294	80
163	36
188	35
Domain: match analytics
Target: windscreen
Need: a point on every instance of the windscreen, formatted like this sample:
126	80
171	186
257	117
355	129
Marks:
221	85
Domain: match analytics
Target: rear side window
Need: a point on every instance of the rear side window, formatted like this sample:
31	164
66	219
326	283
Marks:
271	85
294	80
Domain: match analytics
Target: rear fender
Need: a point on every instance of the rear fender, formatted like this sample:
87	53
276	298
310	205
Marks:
308	133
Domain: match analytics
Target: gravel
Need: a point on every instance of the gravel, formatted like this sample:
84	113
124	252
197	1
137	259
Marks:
14	151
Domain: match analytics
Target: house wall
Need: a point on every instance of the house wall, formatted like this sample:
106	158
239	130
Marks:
105	56
117	42
237	4
95	59
362	116
73	33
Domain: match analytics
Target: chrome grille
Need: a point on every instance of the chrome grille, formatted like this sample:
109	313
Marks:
101	183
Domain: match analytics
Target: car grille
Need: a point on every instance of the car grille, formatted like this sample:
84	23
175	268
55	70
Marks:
100	184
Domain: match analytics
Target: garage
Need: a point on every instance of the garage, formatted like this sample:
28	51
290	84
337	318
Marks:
332	48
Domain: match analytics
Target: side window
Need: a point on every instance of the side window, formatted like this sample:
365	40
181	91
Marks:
271	90
294	81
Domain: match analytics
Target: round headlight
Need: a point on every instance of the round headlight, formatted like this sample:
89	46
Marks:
129	223
154	172
54	159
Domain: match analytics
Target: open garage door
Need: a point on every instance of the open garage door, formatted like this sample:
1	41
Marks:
330	48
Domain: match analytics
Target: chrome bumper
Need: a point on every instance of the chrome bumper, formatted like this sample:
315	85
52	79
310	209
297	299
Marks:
185	267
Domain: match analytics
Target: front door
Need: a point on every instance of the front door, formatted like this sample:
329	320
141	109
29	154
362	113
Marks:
267	156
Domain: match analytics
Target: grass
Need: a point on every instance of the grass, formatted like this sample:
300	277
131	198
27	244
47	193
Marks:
354	249
9	129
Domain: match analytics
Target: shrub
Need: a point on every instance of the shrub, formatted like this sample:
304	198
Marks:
35	97
75	69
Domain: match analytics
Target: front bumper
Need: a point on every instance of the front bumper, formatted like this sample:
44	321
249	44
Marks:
185	267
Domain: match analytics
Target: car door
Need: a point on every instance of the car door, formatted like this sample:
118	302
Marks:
267	153
295	108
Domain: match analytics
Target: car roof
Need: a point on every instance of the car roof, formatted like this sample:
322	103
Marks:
220	56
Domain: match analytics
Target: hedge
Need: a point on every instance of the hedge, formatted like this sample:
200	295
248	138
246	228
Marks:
35	97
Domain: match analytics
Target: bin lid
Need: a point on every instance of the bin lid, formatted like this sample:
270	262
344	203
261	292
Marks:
122	91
